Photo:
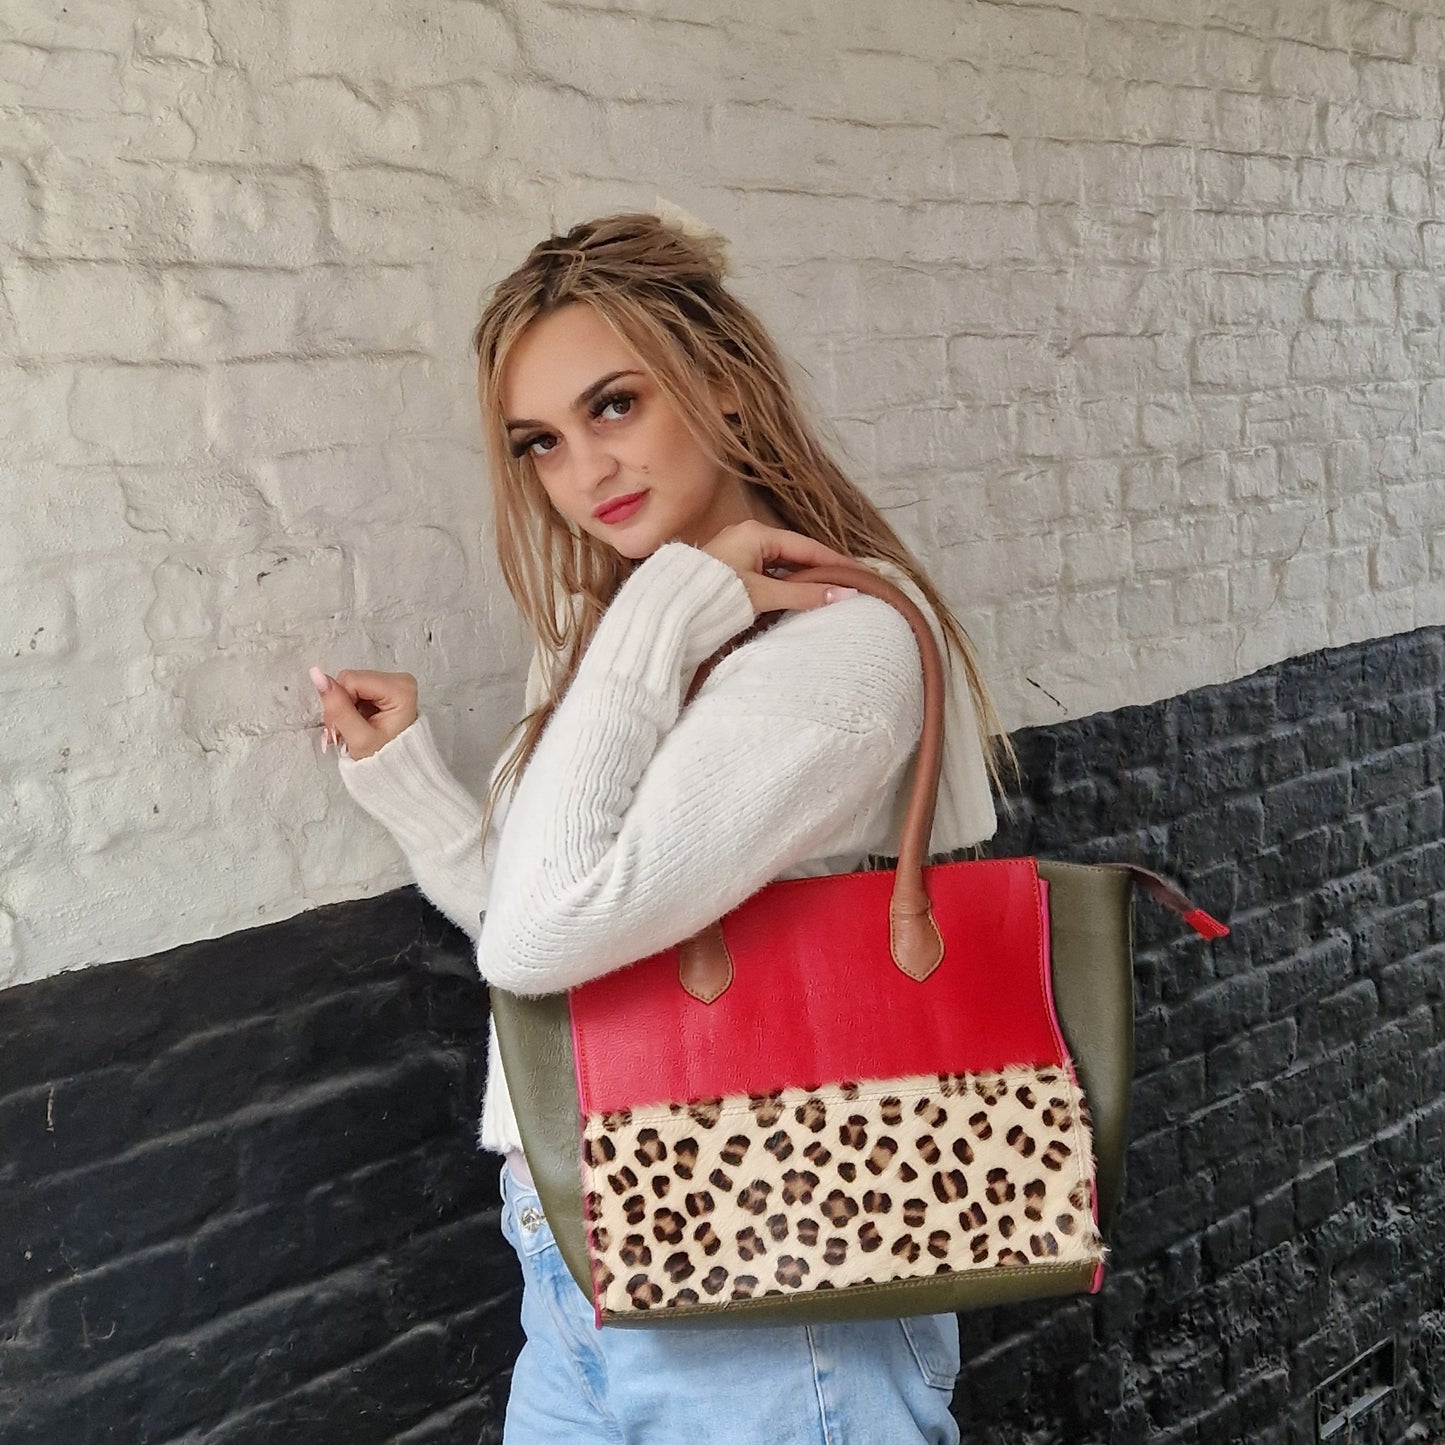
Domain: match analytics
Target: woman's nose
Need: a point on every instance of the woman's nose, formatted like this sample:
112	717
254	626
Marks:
592	464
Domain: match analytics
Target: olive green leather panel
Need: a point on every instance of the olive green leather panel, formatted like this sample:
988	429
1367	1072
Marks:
535	1037
1091	922
938	1294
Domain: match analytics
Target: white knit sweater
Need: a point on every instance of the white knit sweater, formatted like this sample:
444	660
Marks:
638	822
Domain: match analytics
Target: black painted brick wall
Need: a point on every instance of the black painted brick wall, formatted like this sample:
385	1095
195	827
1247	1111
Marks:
239	1202
1285	1207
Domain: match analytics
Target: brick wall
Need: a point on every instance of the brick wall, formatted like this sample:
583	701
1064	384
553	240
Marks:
241	1197
1286	1195
242	1204
1128	311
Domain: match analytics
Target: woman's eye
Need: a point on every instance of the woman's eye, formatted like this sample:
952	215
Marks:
529	447
617	403
619	400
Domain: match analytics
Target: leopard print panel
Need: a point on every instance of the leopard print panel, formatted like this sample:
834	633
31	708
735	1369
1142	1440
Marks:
803	1189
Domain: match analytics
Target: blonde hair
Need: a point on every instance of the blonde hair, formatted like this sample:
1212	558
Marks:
661	289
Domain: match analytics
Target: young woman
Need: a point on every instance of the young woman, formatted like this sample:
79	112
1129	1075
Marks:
654	482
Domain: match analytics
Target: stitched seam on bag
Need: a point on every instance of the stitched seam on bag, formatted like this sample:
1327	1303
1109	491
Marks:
1013	864
1086	1166
732	1106
579	1054
896	1286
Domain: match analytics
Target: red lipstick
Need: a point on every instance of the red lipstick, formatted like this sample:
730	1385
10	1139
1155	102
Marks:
618	509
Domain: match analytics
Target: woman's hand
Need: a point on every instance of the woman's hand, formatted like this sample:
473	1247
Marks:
759	554
365	709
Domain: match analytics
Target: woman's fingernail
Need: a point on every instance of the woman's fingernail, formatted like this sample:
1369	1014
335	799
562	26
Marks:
325	740
320	680
837	594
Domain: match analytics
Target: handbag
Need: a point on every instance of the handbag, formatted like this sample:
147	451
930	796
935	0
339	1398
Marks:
860	1095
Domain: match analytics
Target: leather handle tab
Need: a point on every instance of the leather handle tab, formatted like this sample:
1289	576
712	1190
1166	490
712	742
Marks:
1161	890
913	935
704	964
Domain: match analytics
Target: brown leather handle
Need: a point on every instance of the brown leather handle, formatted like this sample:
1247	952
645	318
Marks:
704	968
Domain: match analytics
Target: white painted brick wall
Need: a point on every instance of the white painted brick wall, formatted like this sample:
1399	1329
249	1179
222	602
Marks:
1129	312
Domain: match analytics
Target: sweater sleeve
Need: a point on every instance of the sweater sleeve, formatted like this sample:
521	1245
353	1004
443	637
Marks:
436	821
638	822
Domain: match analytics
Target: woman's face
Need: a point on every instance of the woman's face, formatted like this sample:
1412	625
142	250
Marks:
577	399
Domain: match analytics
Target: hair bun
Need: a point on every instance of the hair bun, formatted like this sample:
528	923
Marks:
713	242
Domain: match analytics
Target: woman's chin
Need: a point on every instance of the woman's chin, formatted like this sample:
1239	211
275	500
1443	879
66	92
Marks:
635	543
634	549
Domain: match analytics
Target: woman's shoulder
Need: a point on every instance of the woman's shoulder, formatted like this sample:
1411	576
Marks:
857	620
865	619
852	663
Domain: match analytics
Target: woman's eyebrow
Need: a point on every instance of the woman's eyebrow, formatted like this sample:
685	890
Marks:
601	384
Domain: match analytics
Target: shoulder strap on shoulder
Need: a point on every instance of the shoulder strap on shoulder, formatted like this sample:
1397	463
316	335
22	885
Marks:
764	621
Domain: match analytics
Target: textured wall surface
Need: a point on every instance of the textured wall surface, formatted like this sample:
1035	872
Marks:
242	1207
242	1198
1285	1205
1129	312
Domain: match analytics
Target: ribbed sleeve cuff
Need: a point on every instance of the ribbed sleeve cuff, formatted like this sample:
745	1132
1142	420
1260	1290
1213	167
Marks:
407	788
681	605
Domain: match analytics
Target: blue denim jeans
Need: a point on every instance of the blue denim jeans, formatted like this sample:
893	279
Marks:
876	1382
